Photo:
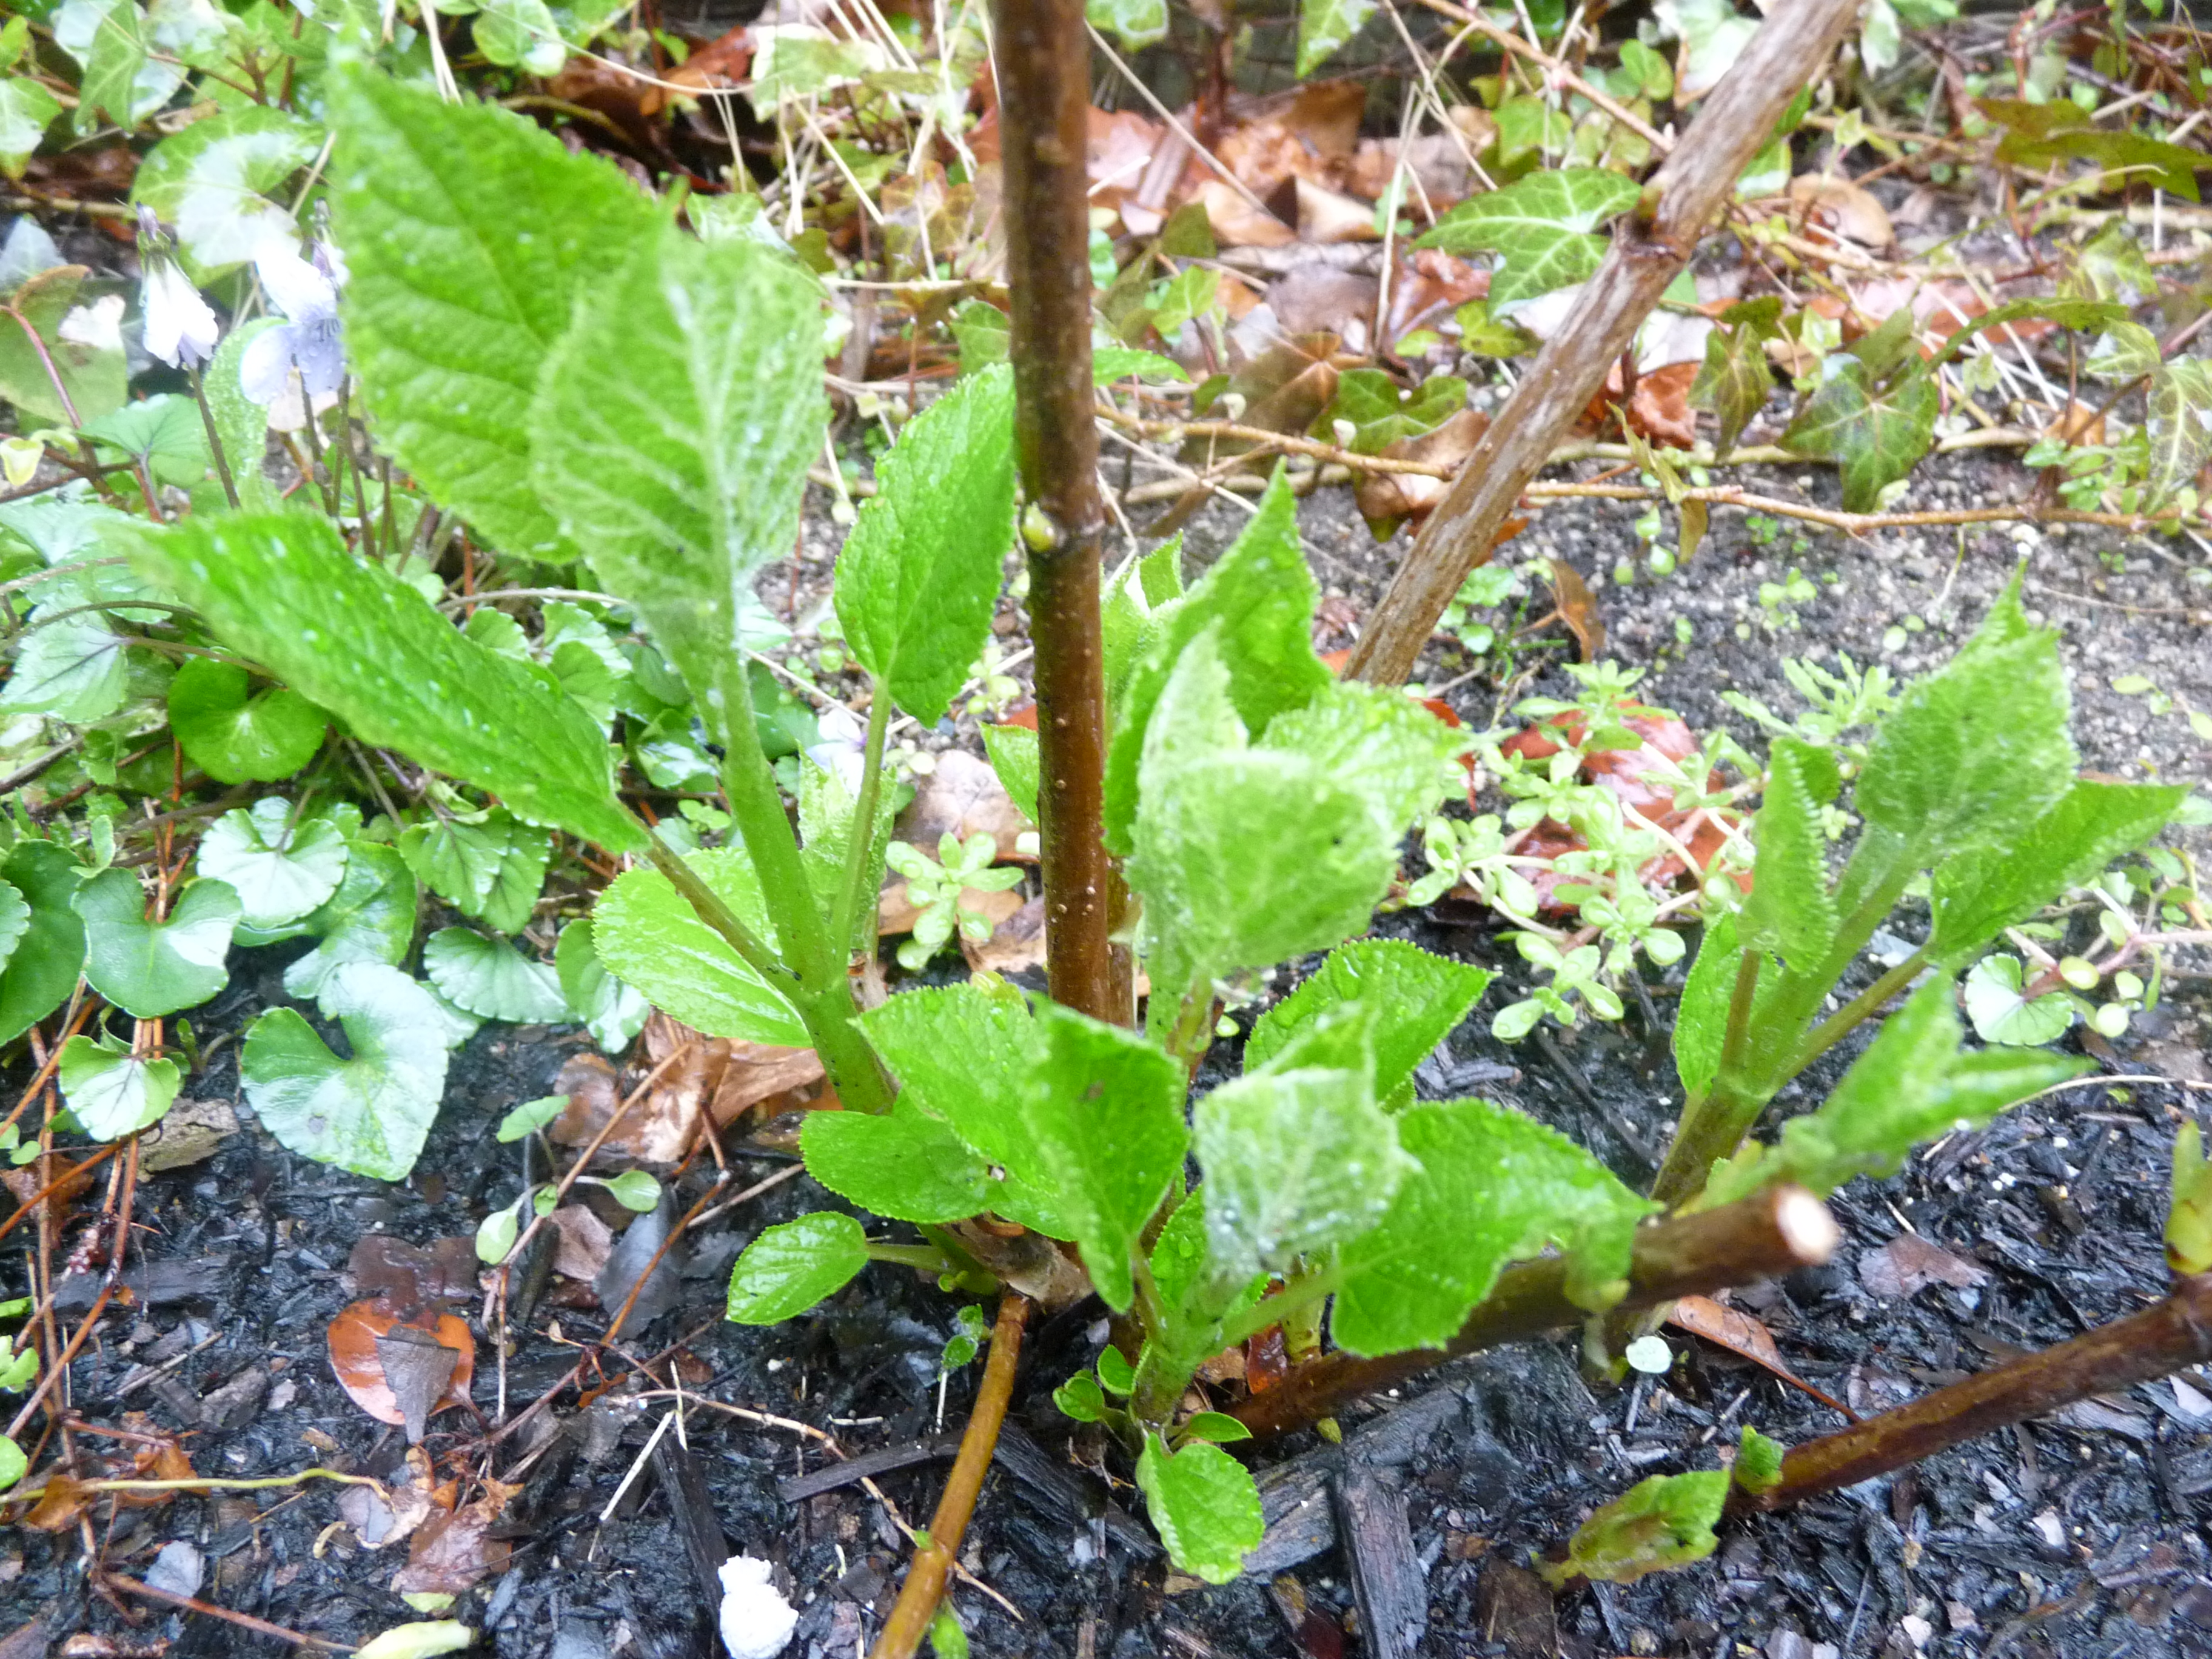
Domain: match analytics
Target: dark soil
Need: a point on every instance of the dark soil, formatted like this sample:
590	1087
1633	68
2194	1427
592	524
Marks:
2077	1536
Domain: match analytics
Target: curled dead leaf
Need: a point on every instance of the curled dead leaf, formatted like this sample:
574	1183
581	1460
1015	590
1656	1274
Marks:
1387	499
964	798
453	1552
1837	207
1017	942
1741	1335
359	1365
1577	608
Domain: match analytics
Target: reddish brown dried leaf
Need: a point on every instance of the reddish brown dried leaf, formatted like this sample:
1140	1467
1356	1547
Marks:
963	796
1659	408
352	1341
1387	499
1015	943
410	1278
1741	1335
453	1552
1578	608
1908	1263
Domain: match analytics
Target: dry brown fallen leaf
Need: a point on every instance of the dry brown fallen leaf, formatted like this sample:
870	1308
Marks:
1739	1333
585	1243
1311	135
963	796
1015	943
1838	207
188	1134
1330	216
710	1074
1236	222
1386	498
1908	1263
1660	409
453	1552
1577	608
360	1370
2079	423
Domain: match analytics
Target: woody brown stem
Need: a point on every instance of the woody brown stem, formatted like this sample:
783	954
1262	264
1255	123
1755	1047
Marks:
1762	1236
1650	249
1044	98
2168	1337
925	1578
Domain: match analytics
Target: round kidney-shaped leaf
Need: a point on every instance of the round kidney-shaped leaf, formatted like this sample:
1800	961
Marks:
612	1012
280	870
490	979
371	918
370	1114
41	970
235	735
113	1092
150	969
787	1269
14	920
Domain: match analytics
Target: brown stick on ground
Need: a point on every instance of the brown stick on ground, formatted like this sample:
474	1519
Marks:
1649	250
1044	98
2170	1336
925	1578
1758	1238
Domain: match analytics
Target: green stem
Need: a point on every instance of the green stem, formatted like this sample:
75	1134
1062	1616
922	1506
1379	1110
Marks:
214	439
859	857
1854	1013
757	804
1279	1308
708	904
925	1258
1714	1122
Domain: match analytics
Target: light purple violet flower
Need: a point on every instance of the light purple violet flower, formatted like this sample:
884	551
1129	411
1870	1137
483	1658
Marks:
181	329
306	292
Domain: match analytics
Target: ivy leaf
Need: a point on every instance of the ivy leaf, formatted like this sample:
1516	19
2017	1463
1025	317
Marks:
1325	27
612	1012
1484	1186
1789	910
370	1114
2083	316
235	735
1104	1109
1734	380
215	181
672	433
1014	757
1667	1520
651	938
919	575
113	1092
470	232
1135	23
42	970
1261	596
1874	433
2036	134
2125	351
15	920
1977	751
151	968
370	919
1979	892
965	1054
490	979
1416	1001
1244	856
26	110
363	644
787	1269
1382	415
1540	226
2001	1013
493	870
2180	426
122	79
280	870
1204	1506
907	1165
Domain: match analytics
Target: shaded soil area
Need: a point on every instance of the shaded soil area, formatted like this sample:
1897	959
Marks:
2076	1536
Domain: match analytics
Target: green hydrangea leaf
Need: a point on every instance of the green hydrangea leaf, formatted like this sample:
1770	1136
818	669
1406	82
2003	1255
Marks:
151	968
113	1092
652	940
1542	226
490	979
42	968
370	1114
1484	1186
1665	1522
1758	1465
280	870
236	735
2180	426
671	436
1104	1111
1261	596
1204	1506
919	576
1789	910
908	1165
363	644
1419	999
370	919
1014	757
787	1269
471	232
612	1012
1976	753
1378	743
1979	892
1245	856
